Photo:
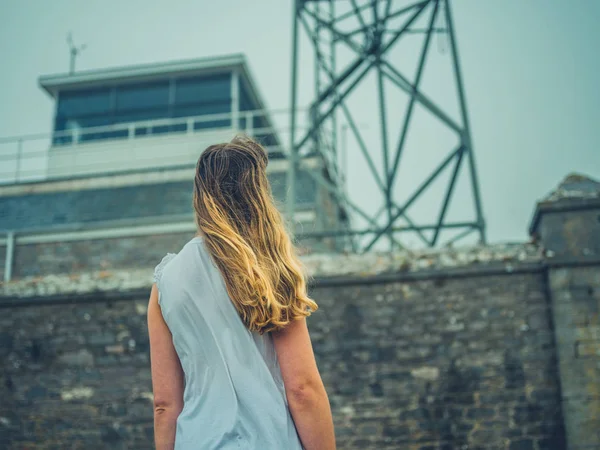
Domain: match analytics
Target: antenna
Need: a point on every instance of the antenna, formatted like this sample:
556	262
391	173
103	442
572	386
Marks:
74	51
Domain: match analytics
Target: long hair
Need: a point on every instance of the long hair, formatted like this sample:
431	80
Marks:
247	237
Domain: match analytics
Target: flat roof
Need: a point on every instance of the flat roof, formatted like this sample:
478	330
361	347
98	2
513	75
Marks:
52	84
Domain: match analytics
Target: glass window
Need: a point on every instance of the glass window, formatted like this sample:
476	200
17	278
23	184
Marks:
143	116
205	109
175	128
139	116
130	103
80	103
81	129
201	109
143	96
82	124
203	90
245	103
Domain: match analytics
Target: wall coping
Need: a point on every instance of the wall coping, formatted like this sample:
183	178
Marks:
321	268
561	206
478	270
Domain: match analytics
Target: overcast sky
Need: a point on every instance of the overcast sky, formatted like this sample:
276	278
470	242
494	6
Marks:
530	69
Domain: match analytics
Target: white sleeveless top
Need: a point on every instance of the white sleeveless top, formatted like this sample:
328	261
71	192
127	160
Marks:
234	395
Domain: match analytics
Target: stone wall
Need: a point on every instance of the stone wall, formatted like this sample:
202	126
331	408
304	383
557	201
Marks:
435	358
575	305
75	377
567	224
452	363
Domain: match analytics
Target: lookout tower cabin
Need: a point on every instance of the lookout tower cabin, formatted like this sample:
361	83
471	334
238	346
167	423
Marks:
118	174
152	116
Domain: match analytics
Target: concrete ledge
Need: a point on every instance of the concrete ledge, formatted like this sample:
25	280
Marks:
579	261
71	298
110	294
432	274
407	265
143	292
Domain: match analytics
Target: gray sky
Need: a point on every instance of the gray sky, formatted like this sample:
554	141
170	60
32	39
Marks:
530	69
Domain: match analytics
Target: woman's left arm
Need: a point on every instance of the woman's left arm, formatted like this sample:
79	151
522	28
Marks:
167	376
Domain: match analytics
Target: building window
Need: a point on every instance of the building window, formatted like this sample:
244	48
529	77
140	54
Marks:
200	96
143	102
84	103
134	103
79	110
149	96
214	89
202	110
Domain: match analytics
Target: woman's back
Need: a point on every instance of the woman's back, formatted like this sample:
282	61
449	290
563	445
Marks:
234	395
227	321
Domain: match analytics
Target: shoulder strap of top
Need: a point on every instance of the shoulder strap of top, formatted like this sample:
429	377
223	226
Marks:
158	270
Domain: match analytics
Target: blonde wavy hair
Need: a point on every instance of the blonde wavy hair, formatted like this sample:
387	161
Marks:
247	237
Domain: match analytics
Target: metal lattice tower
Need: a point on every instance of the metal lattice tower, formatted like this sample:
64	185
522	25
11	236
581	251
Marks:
369	30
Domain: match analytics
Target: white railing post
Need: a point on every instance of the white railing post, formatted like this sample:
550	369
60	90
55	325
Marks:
8	259
250	124
235	100
19	156
74	152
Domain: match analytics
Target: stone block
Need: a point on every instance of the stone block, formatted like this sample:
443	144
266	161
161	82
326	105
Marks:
521	444
100	339
76	393
589	333
114	349
587	349
80	358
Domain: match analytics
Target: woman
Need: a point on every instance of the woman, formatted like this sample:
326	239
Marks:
231	358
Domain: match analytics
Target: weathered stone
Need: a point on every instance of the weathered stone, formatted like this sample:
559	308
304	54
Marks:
114	349
586	349
80	358
100	339
78	393
36	393
567	223
426	373
590	333
141	308
131	276
521	444
408	373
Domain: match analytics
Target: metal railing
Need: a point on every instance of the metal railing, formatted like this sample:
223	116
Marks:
25	158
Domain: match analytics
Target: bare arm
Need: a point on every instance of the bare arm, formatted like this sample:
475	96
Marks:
307	399
167	376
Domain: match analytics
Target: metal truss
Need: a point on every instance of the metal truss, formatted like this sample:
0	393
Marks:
371	38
